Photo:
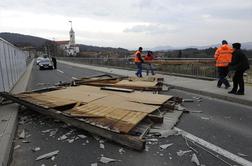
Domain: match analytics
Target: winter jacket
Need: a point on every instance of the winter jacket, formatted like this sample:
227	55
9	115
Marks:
239	61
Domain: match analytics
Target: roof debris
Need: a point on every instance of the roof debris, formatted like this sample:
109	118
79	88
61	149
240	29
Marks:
180	153
36	149
47	155
22	135
165	146
106	160
195	159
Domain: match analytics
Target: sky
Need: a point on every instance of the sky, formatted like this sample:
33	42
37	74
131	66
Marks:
131	23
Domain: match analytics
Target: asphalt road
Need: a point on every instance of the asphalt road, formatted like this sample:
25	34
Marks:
224	124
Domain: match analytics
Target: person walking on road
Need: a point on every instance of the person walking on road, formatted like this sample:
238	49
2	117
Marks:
54	62
239	64
223	56
139	61
147	59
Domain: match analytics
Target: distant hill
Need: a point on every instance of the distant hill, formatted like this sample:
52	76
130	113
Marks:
245	45
20	40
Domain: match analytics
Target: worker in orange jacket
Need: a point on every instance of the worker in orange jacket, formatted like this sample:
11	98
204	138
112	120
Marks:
223	57
147	59
139	61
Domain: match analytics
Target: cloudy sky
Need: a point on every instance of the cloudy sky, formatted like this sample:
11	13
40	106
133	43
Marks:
131	23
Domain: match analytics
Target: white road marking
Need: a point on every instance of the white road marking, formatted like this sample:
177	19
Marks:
60	71
215	148
74	78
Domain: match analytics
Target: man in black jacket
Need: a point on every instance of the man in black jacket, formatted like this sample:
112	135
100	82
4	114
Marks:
239	64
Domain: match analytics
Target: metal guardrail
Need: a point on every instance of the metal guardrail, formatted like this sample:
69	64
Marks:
13	63
194	70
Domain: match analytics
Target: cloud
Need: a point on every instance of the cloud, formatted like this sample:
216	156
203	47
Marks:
151	29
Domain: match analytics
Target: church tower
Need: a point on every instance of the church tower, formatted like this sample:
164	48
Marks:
72	36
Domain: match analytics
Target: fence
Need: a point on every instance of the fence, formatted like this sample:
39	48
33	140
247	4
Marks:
13	62
190	69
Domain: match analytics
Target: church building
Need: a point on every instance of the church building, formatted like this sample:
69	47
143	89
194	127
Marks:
69	46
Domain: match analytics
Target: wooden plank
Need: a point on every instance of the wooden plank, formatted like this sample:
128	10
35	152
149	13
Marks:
145	97
145	84
120	102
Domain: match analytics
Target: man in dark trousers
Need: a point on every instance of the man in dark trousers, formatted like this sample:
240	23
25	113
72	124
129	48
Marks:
139	61
54	62
223	56
239	65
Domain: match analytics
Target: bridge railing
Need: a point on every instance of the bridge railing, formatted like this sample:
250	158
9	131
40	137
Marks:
200	68
13	62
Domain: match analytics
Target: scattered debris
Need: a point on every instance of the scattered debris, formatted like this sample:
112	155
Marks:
102	146
180	153
63	137
121	151
205	118
25	141
53	158
48	155
52	133
94	164
46	131
165	146
70	141
36	149
152	140
242	155
22	135
17	146
195	159
188	100
82	136
106	160
179	107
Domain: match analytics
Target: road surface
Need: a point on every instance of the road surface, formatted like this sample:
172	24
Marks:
221	123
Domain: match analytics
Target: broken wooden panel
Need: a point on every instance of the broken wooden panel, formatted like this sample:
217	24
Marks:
46	101
122	120
120	102
82	94
145	84
145	97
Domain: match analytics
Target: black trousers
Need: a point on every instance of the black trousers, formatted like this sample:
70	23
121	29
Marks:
223	72
238	81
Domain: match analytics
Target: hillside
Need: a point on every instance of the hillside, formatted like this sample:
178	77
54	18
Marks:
20	40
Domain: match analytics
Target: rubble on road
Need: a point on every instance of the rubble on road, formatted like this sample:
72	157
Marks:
106	160
47	155
122	109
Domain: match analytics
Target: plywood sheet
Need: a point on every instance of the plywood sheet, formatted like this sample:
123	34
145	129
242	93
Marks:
120	102
82	94
122	120
144	97
46	101
145	84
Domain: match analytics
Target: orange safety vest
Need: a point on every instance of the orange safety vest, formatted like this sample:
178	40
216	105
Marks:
136	59
148	57
223	55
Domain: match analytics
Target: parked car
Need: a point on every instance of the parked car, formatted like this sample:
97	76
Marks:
38	60
45	63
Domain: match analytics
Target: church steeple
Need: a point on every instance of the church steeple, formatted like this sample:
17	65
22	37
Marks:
72	35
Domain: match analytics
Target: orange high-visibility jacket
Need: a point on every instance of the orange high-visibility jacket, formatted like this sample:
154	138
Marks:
136	59
148	58
223	55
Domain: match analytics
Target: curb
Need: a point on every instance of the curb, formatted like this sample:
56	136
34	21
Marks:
9	134
209	94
